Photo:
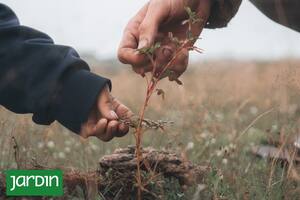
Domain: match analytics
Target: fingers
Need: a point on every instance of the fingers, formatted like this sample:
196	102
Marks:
124	113
157	12
108	127
111	129
141	32
180	64
122	130
127	53
105	105
97	129
103	120
164	56
105	130
177	66
100	130
142	69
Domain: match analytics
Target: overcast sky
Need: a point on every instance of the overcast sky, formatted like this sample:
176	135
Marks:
96	26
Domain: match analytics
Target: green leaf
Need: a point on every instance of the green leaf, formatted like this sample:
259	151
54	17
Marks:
193	17
156	45
149	50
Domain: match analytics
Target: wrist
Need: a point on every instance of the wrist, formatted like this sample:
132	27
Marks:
204	9
79	93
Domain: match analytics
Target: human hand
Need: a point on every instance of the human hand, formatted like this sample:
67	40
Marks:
153	23
103	120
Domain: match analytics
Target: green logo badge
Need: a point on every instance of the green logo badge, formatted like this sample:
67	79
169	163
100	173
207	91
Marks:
34	182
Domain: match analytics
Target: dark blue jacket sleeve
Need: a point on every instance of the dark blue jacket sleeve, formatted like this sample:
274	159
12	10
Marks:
39	77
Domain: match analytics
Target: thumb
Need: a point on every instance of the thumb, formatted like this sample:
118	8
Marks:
105	105
149	26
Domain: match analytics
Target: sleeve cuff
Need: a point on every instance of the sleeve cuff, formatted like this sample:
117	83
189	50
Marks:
76	98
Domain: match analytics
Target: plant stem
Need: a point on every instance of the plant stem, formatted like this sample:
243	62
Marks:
138	135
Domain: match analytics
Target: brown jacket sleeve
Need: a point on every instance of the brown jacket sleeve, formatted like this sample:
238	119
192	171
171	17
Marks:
285	12
222	12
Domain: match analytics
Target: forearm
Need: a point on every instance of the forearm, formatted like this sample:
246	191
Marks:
39	77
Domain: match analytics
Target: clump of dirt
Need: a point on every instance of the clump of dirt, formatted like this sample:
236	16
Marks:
166	163
163	172
159	169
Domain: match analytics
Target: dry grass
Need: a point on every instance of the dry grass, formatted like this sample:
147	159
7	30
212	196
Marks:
217	102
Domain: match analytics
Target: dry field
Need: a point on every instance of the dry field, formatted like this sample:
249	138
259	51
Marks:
223	109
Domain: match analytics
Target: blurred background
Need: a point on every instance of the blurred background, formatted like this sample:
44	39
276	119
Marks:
243	91
95	27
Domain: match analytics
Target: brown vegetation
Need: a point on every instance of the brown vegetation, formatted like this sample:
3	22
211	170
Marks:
216	104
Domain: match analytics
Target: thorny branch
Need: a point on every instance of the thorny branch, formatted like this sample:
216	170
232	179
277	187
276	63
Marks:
146	123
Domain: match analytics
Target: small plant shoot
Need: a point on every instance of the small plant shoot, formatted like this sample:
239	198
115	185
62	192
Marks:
155	76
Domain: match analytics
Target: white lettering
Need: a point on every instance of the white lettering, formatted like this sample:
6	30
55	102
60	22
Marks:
28	179
37	184
22	183
56	180
38	181
14	183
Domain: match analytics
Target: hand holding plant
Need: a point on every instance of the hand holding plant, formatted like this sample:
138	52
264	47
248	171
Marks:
152	24
157	40
103	121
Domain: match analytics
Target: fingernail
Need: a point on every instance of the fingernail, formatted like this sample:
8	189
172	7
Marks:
167	52
113	115
143	43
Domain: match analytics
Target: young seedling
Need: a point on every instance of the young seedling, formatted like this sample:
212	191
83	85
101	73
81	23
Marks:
140	123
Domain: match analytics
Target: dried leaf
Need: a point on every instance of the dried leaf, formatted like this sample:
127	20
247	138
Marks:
171	74
197	49
188	10
160	92
178	82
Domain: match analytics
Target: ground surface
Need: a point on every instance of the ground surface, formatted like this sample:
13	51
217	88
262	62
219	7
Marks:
213	114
